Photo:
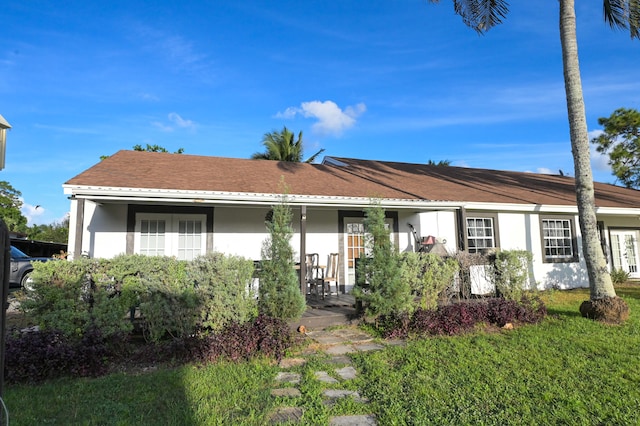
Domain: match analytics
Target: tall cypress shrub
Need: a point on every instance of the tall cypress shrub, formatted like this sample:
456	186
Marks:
279	291
384	291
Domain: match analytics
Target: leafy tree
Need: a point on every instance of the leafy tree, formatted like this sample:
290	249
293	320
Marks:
621	141
439	163
149	148
388	292
482	15
10	204
57	232
281	146
279	291
155	148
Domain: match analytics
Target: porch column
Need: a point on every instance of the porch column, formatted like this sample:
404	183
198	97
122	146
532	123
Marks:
77	243
303	249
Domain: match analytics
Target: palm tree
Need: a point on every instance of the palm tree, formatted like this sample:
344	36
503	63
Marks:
282	147
482	15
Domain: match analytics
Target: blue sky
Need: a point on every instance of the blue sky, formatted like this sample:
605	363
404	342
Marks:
399	80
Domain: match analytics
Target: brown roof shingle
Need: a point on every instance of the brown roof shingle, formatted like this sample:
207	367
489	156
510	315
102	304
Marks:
356	178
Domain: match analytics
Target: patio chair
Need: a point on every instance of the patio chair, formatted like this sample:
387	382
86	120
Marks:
330	274
312	272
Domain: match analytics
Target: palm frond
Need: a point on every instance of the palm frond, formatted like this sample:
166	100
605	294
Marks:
481	15
314	156
623	14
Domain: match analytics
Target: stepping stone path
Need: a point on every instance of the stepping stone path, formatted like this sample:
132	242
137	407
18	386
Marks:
337	343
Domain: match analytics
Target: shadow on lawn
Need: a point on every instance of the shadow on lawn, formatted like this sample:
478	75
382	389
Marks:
563	312
629	289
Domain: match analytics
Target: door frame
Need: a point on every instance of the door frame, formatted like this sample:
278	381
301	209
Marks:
635	233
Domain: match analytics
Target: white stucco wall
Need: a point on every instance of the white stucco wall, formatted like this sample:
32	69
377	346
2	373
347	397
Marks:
440	224
103	232
521	231
241	231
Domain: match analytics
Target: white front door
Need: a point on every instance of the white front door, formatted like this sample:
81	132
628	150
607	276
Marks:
624	246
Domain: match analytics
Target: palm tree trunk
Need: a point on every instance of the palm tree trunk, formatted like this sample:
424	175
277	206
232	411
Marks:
600	284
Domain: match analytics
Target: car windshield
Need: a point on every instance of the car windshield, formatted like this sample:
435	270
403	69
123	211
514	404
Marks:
15	253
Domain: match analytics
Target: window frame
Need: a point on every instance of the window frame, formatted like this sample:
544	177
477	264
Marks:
171	231
574	257
495	227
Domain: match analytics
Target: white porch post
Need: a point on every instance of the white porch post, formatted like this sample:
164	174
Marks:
303	251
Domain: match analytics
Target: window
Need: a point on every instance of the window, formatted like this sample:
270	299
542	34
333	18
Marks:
558	240
189	239
481	233
152	237
171	235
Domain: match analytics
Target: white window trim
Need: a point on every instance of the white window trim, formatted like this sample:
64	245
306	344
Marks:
494	231
171	230
573	257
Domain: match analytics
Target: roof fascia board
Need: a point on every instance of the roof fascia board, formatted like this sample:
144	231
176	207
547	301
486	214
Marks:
267	199
205	197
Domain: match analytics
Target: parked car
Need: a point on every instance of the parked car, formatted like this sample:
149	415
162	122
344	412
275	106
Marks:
21	267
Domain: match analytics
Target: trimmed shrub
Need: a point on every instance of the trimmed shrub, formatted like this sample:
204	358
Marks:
511	273
74	297
223	286
168	302
428	275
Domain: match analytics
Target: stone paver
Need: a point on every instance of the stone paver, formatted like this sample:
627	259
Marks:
369	347
286	377
341	335
338	344
292	362
324	377
286	392
362	420
286	415
346	373
333	395
340	349
340	359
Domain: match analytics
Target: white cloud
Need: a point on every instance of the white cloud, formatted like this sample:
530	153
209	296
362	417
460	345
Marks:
546	171
599	161
176	121
181	122
148	97
32	213
331	118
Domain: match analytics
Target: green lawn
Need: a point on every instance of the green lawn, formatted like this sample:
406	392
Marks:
567	370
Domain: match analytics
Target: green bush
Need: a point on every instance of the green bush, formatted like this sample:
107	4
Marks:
167	299
383	291
619	276
279	290
428	275
511	273
223	285
174	298
73	297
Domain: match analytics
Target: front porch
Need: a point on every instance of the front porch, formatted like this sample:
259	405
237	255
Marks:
333	310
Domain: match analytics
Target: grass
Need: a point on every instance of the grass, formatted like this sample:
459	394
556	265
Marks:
567	370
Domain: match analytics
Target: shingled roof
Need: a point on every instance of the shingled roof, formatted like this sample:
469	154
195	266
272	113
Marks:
340	177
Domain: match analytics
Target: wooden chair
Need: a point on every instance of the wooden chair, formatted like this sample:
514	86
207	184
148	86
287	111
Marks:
330	274
312	272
